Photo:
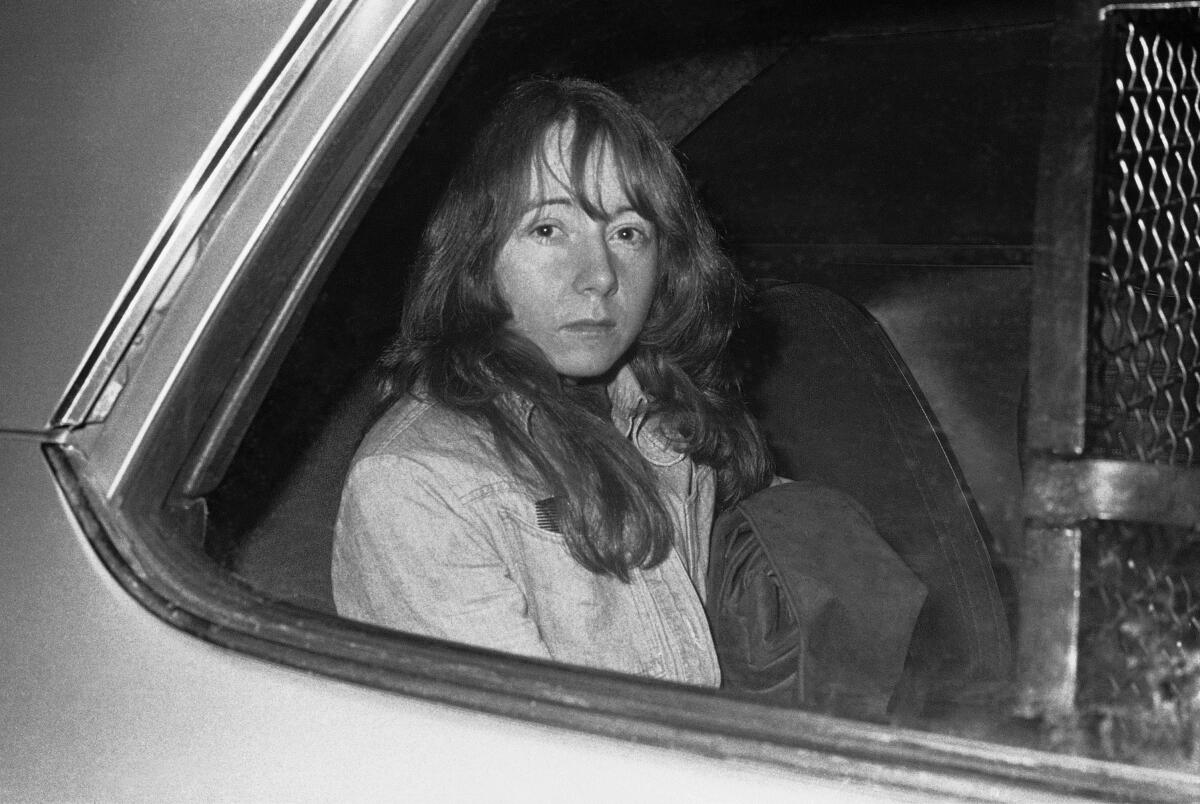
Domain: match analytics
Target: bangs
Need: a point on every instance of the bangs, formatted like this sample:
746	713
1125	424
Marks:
585	140
594	140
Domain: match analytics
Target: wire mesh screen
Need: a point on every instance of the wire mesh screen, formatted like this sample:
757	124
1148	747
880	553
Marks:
1139	639
1139	644
1144	371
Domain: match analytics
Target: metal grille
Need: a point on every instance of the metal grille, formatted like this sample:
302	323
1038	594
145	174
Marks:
1139	641
1144	365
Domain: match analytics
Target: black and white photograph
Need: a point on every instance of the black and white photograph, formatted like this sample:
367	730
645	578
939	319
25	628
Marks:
599	400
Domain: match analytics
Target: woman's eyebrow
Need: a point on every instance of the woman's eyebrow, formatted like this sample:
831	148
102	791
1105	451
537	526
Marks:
547	202
565	201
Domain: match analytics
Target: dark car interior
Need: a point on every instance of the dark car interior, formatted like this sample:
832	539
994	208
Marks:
872	172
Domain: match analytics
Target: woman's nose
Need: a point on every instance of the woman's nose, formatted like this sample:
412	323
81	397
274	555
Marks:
595	271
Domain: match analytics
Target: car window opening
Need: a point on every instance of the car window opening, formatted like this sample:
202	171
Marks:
884	358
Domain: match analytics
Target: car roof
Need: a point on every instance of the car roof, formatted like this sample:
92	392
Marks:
108	107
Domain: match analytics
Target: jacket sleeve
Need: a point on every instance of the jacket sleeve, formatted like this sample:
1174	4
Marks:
410	556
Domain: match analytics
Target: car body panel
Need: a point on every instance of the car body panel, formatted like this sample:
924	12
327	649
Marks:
108	107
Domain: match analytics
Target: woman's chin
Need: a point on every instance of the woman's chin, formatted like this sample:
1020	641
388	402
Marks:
583	367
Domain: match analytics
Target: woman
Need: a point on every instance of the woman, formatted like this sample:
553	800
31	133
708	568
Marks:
563	421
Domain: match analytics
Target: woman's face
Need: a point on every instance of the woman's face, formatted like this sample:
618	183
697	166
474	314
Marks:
579	287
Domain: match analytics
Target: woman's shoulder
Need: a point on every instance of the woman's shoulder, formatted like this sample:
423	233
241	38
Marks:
415	423
421	444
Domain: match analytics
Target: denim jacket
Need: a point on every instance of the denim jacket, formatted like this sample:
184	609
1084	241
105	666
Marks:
436	536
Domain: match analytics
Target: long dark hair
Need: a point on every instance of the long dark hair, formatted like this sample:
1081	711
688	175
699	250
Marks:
454	343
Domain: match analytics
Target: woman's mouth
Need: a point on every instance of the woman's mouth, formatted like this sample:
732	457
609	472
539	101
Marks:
590	326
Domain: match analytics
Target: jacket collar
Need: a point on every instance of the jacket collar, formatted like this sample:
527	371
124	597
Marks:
624	392
628	402
628	415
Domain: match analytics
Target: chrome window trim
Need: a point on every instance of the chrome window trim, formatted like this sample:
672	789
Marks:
229	148
212	455
237	234
285	189
172	584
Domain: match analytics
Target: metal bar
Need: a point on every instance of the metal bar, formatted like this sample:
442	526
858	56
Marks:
951	255
1063	215
1114	8
1047	637
1065	494
1048	568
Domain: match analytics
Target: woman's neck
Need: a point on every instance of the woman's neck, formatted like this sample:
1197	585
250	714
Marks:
590	394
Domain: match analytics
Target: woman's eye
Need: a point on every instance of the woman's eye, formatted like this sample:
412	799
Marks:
631	234
544	230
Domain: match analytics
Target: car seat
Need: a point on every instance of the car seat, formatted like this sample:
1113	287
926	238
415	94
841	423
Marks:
839	407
